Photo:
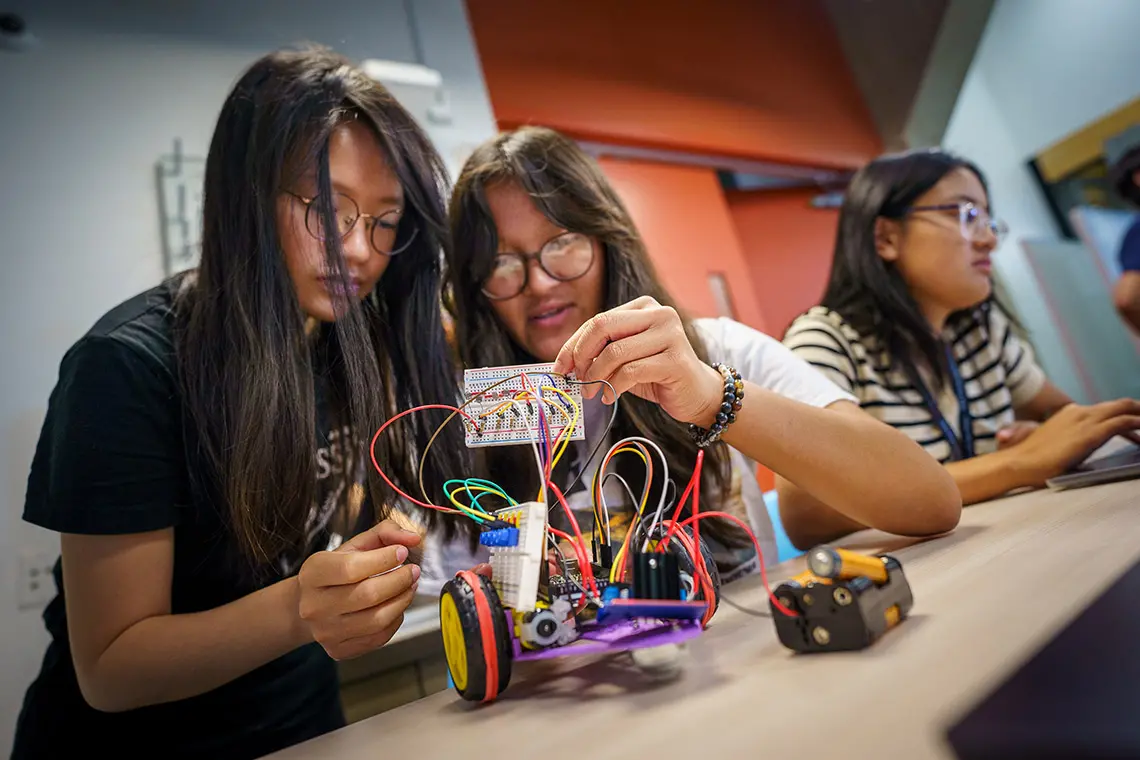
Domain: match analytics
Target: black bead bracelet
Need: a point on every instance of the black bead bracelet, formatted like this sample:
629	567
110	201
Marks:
730	404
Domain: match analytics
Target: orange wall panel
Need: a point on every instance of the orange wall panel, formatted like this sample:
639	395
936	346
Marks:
689	230
787	247
740	78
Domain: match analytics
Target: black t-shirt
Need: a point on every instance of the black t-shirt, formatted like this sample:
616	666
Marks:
112	459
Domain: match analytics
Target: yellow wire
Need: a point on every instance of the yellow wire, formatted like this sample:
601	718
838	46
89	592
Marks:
504	405
637	448
484	489
569	429
641	452
469	510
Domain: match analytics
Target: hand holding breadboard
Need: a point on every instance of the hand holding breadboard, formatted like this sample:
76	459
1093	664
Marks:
520	404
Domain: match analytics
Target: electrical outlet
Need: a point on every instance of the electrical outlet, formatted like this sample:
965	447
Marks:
36	586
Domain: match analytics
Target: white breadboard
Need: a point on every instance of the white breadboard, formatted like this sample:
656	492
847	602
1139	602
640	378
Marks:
515	570
502	421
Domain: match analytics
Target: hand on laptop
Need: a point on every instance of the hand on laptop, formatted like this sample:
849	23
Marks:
1069	436
1015	433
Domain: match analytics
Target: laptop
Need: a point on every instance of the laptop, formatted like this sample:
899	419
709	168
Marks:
1121	465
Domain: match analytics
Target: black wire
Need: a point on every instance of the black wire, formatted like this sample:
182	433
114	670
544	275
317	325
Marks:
736	605
628	491
583	466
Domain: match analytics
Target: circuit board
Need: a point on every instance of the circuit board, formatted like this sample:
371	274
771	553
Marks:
572	586
517	556
509	412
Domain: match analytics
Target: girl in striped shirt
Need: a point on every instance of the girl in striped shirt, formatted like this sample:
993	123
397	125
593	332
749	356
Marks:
910	327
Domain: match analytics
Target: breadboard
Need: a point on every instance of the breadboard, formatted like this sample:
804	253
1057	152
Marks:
503	419
515	570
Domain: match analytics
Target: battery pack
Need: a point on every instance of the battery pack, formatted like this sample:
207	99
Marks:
841	614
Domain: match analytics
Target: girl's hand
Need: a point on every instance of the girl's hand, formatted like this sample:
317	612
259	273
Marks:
642	348
1072	434
1015	433
353	599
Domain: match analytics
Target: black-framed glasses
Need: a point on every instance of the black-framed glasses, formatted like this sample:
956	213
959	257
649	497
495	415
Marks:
383	229
974	222
565	257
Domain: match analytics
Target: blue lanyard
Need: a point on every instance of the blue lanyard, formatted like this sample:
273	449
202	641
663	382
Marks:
962	448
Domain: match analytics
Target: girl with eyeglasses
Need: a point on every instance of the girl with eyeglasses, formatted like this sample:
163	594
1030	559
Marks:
909	325
204	452
548	266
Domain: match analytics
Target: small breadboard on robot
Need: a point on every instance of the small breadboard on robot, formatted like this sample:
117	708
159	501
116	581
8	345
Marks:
517	553
508	413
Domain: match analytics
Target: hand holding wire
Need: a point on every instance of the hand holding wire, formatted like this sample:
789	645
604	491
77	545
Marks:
641	347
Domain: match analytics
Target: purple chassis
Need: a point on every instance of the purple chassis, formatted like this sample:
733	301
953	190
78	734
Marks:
623	625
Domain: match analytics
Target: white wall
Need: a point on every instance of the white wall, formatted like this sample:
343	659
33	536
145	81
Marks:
84	118
1044	69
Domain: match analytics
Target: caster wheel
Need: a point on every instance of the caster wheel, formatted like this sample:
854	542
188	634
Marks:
664	662
476	639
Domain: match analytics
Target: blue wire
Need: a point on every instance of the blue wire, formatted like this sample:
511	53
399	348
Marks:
565	404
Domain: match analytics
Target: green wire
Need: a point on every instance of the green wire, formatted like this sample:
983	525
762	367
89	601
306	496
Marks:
496	487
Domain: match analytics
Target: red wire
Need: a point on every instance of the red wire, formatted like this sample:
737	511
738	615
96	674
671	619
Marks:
583	561
580	544
698	555
372	451
694	483
759	555
701	572
701	576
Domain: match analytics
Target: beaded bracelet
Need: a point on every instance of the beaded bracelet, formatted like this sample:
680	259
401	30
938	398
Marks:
730	404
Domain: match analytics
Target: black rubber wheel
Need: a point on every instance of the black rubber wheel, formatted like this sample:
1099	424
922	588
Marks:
463	637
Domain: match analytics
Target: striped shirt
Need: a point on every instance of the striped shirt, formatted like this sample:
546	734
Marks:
998	371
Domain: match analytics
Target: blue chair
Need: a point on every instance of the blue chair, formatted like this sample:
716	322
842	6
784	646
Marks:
785	549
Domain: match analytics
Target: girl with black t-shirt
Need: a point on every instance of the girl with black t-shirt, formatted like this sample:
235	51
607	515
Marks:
204	451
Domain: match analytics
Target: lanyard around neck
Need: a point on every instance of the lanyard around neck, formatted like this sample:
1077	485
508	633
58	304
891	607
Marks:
961	447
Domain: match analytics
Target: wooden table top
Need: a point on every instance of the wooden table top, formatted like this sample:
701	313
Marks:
987	596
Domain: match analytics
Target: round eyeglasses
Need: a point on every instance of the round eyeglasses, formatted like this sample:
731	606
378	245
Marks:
383	229
974	222
563	258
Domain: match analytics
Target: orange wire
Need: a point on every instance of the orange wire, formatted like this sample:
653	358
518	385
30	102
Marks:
628	446
372	452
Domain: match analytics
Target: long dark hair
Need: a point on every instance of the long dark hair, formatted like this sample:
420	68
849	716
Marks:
868	291
569	188
246	363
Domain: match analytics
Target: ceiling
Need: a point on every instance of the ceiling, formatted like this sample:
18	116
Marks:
909	59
